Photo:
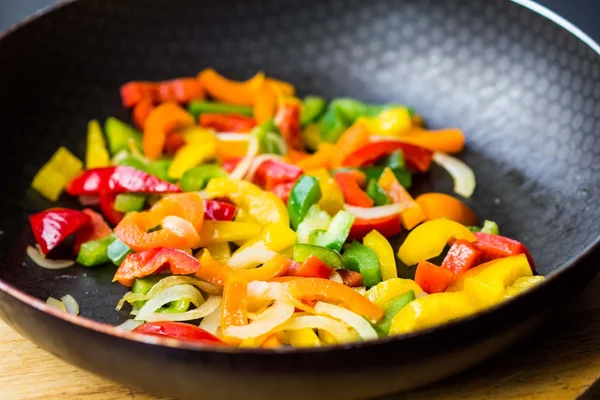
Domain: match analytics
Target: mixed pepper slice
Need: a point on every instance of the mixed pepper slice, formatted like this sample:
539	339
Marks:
273	220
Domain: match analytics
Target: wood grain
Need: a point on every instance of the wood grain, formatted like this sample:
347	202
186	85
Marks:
560	361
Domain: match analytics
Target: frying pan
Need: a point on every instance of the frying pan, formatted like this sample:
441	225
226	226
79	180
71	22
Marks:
522	83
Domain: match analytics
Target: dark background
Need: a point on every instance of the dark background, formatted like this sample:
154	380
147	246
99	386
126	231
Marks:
582	13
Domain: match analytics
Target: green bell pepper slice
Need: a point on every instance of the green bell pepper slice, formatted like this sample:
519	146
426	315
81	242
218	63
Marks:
118	134
395	161
117	251
95	252
392	307
269	138
198	107
126	202
143	286
134	162
328	256
488	226
197	178
304	194
160	169
315	219
312	108
403	176
360	258
337	233
375	192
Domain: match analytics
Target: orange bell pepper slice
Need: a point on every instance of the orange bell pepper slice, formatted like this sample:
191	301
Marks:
235	306
162	121
440	205
265	104
272	342
354	138
141	111
189	207
211	270
229	91
317	289
413	214
320	159
451	140
283	88
349	183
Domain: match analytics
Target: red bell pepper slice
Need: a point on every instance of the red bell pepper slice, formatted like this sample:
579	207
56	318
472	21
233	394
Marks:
173	142
496	246
431	278
180	90
227	122
179	331
387	226
312	267
353	194
219	210
271	173
96	229
134	92
461	257
52	226
283	191
416	157
118	180
230	164
155	261
351	278
107	207
287	121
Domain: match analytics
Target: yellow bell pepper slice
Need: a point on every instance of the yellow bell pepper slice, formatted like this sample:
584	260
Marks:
304	337
391	122
231	146
431	310
332	198
213	232
487	283
96	154
385	254
312	136
265	103
327	338
428	240
385	291
522	284
264	206
200	146
52	178
285	88
220	252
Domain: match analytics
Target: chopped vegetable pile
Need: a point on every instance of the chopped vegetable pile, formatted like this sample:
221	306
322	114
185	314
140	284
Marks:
241	215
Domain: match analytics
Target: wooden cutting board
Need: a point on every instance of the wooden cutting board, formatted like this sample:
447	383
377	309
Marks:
560	361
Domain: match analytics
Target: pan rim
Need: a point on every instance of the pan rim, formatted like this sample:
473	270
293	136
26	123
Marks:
103	328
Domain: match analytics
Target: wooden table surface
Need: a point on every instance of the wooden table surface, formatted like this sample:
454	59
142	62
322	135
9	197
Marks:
559	361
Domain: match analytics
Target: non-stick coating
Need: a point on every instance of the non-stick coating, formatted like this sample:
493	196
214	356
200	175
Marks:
525	91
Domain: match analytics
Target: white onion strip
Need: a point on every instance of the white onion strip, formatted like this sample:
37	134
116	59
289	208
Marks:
232	136
339	330
270	319
37	257
56	304
462	174
361	325
71	304
250	257
212	321
257	161
178	279
205	309
240	170
174	293
129	325
375	212
336	277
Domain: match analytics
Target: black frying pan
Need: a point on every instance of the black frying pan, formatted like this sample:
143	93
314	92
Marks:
525	89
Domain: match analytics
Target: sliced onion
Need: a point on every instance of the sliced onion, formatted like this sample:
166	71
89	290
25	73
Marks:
56	304
361	325
181	227
336	277
240	170
361	290
89	200
422	294
232	136
174	293
71	304
257	161
273	317
462	174
205	309
47	263
339	330
129	325
212	321
375	212
250	257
